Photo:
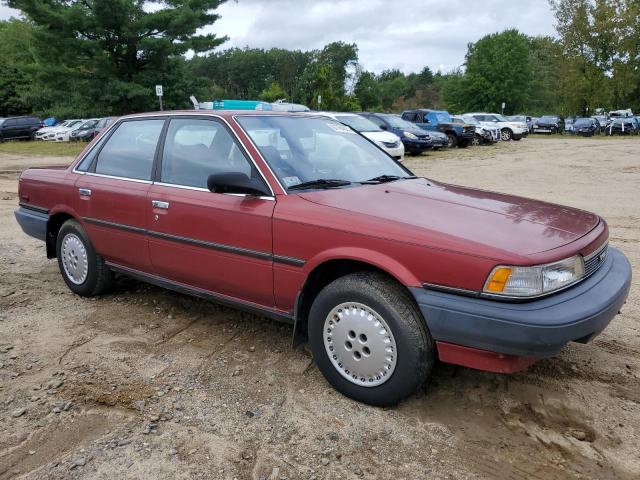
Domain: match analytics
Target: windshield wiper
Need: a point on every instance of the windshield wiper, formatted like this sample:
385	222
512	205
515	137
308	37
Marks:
387	178
320	183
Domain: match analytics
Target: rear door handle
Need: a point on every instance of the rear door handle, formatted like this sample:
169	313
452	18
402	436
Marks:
160	204
85	192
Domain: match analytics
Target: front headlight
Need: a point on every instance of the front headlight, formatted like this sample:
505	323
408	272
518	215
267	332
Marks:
409	135
515	281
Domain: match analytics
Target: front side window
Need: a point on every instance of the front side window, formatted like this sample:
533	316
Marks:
130	151
197	148
307	149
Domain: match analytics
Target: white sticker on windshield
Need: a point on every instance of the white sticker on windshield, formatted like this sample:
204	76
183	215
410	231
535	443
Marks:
339	127
291	181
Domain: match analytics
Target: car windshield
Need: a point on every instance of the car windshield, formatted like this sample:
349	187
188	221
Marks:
470	120
397	122
442	117
501	118
88	124
583	122
308	149
548	118
2	120
73	123
518	118
358	123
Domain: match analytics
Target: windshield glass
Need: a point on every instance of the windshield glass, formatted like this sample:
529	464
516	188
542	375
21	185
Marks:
397	122
548	118
501	118
470	120
518	118
583	122
305	149
358	123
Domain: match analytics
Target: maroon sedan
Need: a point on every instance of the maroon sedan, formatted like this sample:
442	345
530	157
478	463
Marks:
299	218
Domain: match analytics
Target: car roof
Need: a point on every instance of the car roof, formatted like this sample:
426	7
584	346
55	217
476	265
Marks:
226	114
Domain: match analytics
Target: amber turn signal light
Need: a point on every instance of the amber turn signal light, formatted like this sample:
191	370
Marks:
498	280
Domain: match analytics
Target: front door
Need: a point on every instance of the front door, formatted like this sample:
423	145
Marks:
217	242
111	197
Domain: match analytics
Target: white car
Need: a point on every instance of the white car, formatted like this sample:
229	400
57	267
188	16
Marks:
51	134
485	134
45	130
64	134
387	141
508	130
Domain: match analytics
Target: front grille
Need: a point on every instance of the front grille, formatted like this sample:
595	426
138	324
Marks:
594	261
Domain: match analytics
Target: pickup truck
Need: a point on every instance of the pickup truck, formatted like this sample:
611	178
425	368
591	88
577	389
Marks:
299	218
460	135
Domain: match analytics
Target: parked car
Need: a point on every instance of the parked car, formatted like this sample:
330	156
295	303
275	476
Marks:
523	120
89	129
532	123
549	124
64	134
508	130
459	135
602	122
587	127
568	124
414	139
623	126
387	141
484	135
49	133
13	128
102	124
380	271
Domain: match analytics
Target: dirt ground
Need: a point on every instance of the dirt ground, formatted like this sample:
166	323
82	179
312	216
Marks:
145	383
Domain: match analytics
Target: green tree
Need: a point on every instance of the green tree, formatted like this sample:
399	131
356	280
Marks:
498	70
15	56
105	56
273	92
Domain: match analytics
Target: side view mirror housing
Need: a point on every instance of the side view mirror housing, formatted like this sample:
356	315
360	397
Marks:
236	182
384	127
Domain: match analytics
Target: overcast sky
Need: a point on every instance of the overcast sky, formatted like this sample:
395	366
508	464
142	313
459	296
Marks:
403	34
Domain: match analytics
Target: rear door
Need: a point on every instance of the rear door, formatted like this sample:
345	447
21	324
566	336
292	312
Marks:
218	242
10	128
111	196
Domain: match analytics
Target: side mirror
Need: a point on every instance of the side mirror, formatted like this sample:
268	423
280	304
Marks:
384	127
236	182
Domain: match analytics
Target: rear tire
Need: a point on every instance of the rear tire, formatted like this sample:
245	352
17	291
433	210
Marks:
453	140
82	269
477	140
369	339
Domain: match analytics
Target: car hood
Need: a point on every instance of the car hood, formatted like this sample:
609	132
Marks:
460	218
381	136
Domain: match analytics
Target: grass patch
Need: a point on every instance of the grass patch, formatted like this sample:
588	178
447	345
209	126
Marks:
38	147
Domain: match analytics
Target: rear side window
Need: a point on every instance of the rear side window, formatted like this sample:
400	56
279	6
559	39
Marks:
411	117
11	122
195	149
130	151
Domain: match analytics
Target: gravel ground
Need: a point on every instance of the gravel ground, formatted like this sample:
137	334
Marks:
145	383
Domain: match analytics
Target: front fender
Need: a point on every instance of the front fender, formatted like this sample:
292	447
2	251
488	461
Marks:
364	255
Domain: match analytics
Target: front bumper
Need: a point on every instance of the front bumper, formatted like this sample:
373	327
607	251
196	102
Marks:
416	146
536	329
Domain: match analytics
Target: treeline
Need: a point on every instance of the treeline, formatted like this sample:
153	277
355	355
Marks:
90	58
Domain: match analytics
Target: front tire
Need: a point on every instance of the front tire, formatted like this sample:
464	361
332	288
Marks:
82	269
453	140
506	134
369	339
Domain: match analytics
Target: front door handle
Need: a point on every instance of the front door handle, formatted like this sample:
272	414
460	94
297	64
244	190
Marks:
85	192
160	204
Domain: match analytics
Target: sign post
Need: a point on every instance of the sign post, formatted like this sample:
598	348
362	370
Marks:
503	104
319	101
159	94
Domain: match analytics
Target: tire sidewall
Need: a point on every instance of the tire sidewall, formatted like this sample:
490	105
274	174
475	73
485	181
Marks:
88	286
403	380
506	133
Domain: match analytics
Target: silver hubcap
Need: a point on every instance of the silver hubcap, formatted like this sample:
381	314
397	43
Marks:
360	344
74	258
506	135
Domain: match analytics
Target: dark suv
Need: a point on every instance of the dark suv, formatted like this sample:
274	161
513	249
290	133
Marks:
460	135
19	127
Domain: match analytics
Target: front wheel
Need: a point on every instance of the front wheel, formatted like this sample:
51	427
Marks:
453	140
506	134
369	339
477	140
83	270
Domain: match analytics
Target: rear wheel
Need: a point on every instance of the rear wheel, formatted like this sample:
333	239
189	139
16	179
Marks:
369	339
506	134
453	140
477	140
83	270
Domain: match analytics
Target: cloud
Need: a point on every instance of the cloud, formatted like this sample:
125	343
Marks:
403	34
